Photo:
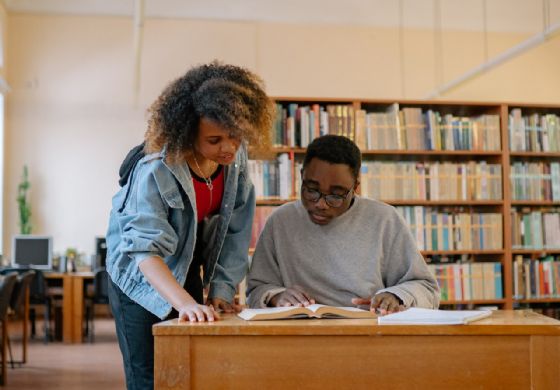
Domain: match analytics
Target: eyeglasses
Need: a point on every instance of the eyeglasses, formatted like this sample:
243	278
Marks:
333	200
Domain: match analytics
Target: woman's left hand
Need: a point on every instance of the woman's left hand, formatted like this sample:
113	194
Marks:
220	305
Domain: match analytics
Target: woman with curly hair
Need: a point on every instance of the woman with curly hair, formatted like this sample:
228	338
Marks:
186	203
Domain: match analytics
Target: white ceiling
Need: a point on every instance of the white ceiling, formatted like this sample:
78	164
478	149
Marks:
502	15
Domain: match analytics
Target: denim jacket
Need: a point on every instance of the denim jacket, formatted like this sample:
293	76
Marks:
154	214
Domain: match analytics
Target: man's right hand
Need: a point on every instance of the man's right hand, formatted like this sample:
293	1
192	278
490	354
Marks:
293	296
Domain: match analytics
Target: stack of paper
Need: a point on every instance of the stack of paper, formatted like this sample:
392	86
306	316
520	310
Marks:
419	316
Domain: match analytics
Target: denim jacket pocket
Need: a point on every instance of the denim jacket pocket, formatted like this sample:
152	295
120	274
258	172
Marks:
173	199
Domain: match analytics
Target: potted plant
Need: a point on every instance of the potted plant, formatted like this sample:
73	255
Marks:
23	204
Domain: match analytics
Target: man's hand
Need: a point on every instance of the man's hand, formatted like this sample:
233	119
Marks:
384	303
293	296
220	305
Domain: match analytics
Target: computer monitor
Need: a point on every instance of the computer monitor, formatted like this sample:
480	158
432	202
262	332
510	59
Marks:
32	251
100	252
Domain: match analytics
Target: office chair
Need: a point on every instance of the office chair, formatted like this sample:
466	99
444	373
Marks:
100	296
39	295
19	305
7	284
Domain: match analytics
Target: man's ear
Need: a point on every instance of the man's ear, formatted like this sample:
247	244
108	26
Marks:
357	183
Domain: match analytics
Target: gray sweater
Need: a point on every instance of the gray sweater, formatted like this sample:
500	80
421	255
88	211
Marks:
367	250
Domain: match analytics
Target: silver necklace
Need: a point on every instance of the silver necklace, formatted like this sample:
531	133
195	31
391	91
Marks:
207	180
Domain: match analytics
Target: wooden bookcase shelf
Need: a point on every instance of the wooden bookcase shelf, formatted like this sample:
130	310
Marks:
422	153
480	114
287	149
539	300
475	302
272	201
536	203
279	201
536	252
464	252
369	152
539	155
399	202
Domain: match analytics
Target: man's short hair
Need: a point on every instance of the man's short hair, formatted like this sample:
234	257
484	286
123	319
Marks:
335	149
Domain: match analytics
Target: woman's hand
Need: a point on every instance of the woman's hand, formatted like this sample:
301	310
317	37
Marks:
193	312
218	304
161	278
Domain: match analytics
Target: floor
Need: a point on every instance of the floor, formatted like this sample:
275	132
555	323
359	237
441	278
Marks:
68	366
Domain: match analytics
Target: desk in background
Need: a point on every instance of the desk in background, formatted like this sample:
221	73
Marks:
509	350
72	303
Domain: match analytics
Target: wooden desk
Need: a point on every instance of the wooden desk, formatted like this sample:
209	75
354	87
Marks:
509	350
72	304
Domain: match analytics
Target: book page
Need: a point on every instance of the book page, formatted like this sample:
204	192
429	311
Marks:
325	311
315	310
419	316
272	312
342	311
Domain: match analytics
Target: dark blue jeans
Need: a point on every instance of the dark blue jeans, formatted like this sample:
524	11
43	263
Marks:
134	331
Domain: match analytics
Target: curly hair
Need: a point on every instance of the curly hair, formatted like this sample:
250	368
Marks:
230	95
335	149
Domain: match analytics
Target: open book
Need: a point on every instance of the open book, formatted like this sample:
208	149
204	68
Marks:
419	316
311	311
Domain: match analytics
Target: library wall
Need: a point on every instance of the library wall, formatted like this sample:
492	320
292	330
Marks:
3	29
72	114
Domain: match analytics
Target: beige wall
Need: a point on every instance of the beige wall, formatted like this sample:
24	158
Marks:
71	114
3	30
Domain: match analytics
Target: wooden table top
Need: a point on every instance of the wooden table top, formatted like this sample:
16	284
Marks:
501	322
60	275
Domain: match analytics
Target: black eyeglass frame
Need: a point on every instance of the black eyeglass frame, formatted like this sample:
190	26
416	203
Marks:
337	198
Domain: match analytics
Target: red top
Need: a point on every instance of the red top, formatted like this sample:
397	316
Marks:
203	206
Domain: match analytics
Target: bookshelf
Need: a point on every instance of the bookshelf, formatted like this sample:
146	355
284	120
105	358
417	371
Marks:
534	154
450	167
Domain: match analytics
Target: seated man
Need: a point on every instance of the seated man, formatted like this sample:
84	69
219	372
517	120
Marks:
335	248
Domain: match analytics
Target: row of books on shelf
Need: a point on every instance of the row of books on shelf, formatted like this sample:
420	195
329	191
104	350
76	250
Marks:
297	125
271	178
415	180
535	229
261	215
412	129
535	132
473	180
455	230
437	230
409	128
538	278
434	230
469	281
535	181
